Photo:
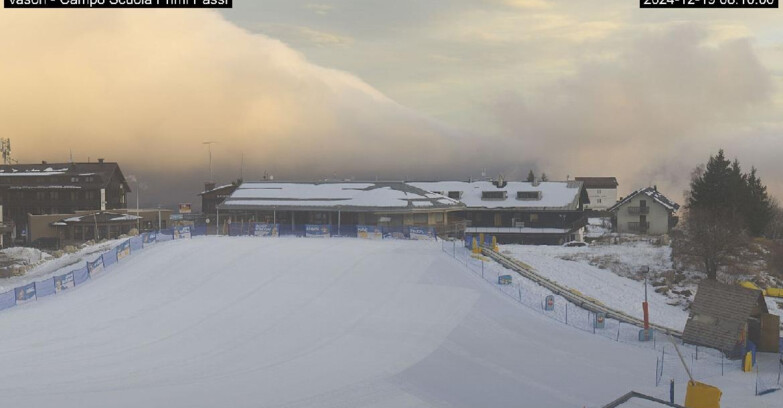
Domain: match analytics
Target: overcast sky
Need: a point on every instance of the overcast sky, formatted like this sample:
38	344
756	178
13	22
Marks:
404	89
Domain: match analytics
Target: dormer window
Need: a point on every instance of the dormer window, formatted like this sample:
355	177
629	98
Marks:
455	195
493	195
528	195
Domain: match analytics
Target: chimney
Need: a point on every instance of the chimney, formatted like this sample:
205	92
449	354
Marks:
100	160
209	185
43	161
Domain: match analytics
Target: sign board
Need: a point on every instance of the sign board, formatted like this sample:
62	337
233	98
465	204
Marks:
317	231
149	238
422	233
549	303
176	217
369	232
25	293
63	282
266	230
182	232
123	249
95	267
600	320
185	208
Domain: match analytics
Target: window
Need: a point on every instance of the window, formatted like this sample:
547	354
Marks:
437	218
533	217
54	195
455	195
528	195
420	219
598	191
74	179
74	196
40	195
498	220
493	195
598	201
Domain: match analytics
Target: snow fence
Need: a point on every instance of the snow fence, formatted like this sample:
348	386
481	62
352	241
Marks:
92	268
703	363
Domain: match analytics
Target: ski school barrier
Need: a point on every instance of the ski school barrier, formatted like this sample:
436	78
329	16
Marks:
56	284
375	232
557	306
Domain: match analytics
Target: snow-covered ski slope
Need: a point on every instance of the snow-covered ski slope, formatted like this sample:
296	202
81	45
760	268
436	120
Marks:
287	322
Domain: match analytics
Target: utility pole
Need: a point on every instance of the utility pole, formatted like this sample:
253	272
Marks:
209	147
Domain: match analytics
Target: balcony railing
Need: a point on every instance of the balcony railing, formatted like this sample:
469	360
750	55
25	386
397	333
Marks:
638	210
638	226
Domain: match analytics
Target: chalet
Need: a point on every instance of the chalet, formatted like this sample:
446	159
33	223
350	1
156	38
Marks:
550	212
725	317
214	195
645	211
59	188
340	205
602	192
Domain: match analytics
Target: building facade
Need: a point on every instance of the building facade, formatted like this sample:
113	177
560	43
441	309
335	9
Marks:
58	188
645	211
549	213
340	205
602	192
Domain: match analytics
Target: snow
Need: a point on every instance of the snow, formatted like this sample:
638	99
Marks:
614	291
126	217
248	322
24	256
326	195
55	266
553	193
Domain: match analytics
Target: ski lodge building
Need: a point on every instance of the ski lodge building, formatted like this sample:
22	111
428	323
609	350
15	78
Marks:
340	205
543	213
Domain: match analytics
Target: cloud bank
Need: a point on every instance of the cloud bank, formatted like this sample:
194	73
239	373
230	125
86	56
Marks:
147	88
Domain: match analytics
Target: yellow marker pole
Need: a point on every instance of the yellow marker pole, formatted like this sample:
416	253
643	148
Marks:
495	244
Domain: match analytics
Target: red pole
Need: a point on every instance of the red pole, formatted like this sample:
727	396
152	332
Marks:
646	316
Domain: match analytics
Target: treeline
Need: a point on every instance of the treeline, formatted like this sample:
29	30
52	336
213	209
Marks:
725	208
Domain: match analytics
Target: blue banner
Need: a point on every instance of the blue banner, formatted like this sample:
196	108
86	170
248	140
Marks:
7	299
64	282
95	267
123	249
549	303
149	238
25	294
44	288
318	231
369	232
266	230
182	232
137	243
80	276
422	233
109	257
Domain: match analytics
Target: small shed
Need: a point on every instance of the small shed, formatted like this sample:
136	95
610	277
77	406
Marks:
725	317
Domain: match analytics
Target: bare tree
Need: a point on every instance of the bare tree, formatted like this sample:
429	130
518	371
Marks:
710	238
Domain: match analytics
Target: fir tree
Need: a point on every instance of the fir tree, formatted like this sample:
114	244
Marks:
531	177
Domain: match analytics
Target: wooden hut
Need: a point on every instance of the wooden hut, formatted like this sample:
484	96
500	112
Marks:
725	317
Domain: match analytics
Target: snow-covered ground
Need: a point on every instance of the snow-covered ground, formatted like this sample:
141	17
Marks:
606	286
292	322
47	266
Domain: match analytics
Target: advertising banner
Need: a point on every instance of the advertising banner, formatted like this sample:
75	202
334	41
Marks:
369	232
318	231
549	303
182	232
185	208
123	250
7	299
25	293
95	267
600	320
422	233
266	230
63	282
149	238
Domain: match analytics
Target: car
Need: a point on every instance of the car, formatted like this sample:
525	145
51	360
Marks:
575	244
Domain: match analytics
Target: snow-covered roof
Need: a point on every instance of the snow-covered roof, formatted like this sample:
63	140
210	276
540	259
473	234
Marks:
46	187
101	216
215	189
561	195
651	192
368	196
